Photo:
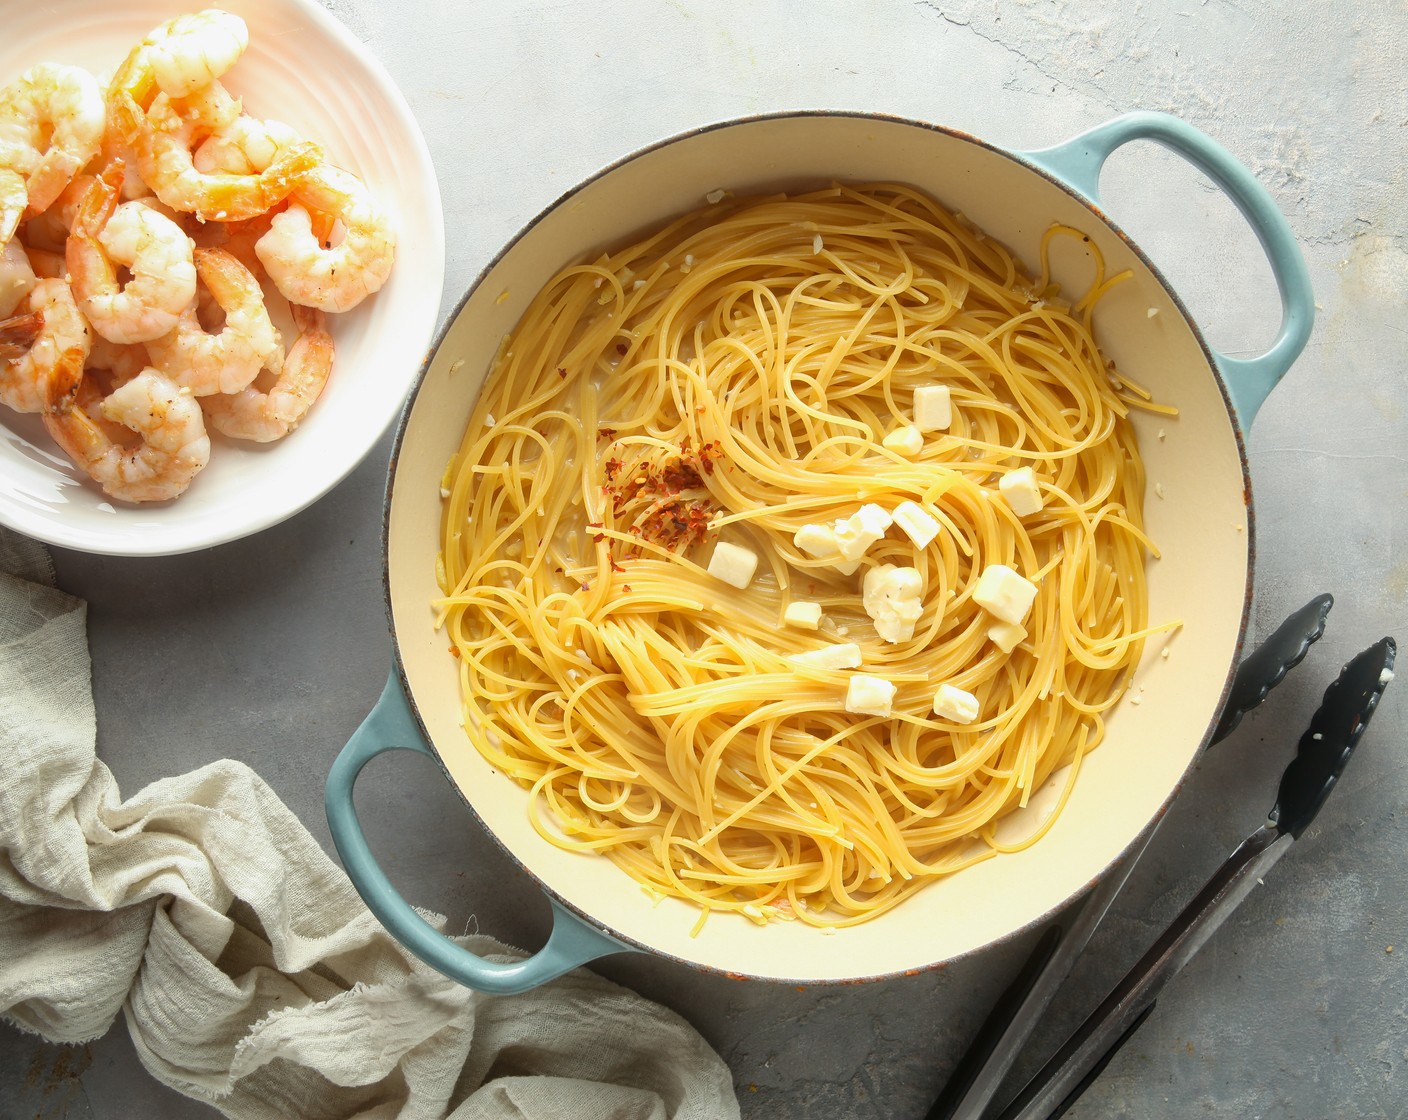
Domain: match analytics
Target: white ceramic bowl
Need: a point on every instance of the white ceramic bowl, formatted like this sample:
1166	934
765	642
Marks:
304	68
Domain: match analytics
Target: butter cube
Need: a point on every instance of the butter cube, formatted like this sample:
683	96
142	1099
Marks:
933	408
820	541
733	564
917	525
1004	594
869	696
841	655
892	596
1021	491
955	705
1006	635
816	540
862	529
803	615
908	440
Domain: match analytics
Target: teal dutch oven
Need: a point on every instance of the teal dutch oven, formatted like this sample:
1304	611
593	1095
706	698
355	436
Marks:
1203	523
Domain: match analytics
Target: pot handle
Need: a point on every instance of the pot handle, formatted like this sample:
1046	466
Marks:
390	726
1078	162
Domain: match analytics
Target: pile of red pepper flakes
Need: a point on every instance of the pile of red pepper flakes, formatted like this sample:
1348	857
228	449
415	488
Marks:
673	507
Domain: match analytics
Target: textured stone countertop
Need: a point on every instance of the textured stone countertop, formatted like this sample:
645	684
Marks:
271	650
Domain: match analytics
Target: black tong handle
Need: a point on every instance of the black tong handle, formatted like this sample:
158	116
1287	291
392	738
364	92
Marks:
1321	755
989	1057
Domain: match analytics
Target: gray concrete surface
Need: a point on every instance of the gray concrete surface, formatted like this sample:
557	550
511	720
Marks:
270	650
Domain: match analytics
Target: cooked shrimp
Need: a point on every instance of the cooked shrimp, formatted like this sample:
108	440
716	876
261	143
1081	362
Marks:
182	56
195	49
183	59
51	124
14	197
207	109
16	277
187	121
173	448
155	250
339	277
164	160
246	146
52	366
163	115
228	361
264	417
17	335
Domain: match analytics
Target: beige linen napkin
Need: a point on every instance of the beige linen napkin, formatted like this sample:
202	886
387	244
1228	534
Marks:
249	971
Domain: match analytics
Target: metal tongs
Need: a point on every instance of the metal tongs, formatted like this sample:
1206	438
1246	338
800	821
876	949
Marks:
1321	755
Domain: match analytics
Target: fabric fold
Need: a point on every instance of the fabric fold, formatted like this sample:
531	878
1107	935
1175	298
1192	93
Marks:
249	971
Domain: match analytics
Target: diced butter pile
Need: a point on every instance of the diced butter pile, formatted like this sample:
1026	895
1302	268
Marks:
855	534
894	598
893	595
820	541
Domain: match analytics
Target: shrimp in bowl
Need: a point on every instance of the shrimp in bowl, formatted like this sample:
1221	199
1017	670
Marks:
190	257
51	123
152	248
171	445
49	346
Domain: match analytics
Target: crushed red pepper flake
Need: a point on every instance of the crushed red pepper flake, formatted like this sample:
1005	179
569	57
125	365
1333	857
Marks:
679	475
679	507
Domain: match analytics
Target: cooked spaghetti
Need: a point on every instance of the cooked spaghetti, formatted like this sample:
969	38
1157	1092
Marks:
733	382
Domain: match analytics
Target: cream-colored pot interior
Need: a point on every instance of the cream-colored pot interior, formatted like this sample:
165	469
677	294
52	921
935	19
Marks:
1200	523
